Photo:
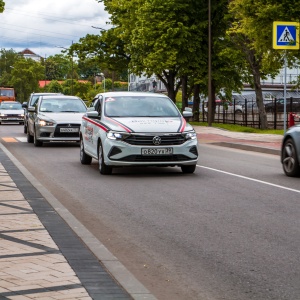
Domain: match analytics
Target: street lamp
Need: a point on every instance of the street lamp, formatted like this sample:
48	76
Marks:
72	66
102	75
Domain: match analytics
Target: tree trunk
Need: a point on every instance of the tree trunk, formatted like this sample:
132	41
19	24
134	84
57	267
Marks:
196	103
168	79
255	68
184	92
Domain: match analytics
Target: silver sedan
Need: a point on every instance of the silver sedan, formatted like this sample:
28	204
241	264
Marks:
55	119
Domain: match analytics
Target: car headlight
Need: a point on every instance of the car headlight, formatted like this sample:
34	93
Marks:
192	135
21	116
45	123
3	115
112	135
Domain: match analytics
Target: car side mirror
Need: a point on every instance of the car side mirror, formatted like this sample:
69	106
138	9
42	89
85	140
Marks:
24	105
31	109
92	114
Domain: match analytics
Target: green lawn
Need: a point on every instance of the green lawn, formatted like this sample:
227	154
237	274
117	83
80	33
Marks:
238	128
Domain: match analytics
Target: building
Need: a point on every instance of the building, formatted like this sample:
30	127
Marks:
27	53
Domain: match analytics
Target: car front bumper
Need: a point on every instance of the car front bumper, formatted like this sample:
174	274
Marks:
119	153
53	134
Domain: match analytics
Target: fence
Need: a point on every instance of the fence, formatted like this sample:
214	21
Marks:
249	115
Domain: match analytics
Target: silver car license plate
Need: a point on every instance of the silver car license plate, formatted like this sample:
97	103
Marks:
69	129
157	151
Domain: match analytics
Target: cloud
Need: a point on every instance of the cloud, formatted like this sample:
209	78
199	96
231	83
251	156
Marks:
43	25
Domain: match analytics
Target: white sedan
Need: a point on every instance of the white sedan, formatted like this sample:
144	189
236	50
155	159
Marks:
137	129
11	112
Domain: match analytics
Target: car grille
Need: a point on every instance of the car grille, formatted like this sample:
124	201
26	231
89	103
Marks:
58	134
12	115
156	158
147	140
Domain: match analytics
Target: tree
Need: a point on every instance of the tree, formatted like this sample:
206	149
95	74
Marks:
25	77
2	4
251	31
57	67
7	60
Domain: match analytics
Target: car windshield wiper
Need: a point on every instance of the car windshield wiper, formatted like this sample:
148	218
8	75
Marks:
69	111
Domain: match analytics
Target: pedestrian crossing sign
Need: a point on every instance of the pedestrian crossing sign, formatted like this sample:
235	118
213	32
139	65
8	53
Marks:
286	35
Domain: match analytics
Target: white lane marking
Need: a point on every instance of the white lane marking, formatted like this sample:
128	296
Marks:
252	179
22	139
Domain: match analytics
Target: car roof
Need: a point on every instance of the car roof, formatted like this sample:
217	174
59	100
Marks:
41	94
60	96
125	93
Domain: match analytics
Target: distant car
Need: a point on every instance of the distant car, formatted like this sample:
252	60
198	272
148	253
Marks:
11	112
270	106
226	106
33	99
55	118
137	129
290	151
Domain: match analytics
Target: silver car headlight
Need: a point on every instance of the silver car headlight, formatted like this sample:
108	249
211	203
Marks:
3	115
192	135
42	122
113	135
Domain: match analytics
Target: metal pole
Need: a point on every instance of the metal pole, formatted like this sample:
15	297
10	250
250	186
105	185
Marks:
284	93
72	75
210	106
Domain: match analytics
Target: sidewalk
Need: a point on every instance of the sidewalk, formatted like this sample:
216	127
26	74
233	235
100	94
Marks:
42	257
264	143
46	254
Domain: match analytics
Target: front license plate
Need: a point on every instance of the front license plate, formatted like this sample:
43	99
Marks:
69	129
157	151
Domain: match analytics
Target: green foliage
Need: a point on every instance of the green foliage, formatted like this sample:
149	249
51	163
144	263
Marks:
2	4
25	77
54	87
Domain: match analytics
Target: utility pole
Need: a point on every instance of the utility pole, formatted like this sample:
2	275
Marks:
210	106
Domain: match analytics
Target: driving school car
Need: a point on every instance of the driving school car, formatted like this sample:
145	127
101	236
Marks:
137	129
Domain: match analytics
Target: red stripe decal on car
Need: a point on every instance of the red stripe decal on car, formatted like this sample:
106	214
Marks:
120	124
96	123
183	124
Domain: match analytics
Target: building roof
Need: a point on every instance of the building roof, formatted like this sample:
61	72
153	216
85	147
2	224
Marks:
28	52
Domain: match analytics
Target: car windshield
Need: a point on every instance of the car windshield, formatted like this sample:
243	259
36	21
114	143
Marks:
139	106
11	106
62	105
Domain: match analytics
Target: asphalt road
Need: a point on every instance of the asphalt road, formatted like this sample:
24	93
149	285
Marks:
230	231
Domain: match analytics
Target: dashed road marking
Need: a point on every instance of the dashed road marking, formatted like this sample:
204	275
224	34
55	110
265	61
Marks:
14	139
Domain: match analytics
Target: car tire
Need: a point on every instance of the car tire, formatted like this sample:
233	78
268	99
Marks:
85	159
290	161
36	142
29	137
188	169
103	168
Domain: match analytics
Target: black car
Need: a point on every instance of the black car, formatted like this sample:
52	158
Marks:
292	105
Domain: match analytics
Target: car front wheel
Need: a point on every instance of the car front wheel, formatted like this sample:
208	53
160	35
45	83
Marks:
36	142
29	137
188	169
290	161
103	168
84	158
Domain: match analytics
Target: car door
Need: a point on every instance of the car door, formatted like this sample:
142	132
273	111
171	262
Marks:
32	116
90	128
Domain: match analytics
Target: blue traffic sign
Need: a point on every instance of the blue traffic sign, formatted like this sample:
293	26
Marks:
286	35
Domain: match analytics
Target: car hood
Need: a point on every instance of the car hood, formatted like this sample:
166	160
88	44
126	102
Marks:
148	124
62	117
12	111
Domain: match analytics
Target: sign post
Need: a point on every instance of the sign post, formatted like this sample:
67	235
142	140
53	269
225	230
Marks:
285	37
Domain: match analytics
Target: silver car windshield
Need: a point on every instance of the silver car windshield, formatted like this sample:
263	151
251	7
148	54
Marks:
139	106
62	105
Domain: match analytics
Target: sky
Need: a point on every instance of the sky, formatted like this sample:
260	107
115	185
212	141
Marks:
45	25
